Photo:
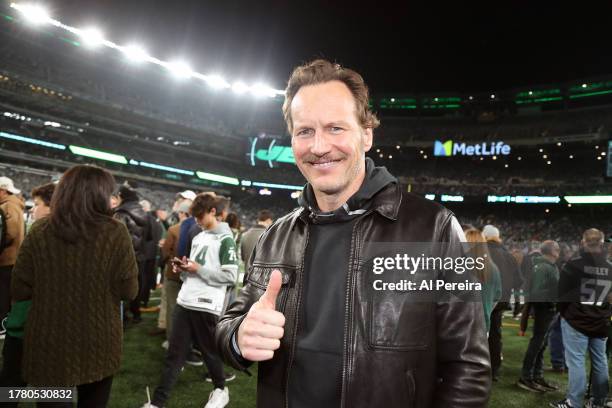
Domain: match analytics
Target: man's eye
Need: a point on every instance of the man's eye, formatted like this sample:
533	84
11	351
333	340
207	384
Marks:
336	129
304	132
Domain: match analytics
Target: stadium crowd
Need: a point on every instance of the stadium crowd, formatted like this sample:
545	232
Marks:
147	243
80	254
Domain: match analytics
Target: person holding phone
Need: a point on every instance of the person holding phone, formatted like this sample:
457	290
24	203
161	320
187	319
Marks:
207	274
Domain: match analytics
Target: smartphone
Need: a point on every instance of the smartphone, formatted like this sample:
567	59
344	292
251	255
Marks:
177	262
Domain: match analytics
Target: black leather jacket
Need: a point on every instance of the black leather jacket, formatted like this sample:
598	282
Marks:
136	220
401	354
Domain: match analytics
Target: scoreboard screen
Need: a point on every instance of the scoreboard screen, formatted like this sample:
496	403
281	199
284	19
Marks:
269	151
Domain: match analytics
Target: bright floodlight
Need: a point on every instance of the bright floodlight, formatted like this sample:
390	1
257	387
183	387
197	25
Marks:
217	82
33	13
180	69
91	37
263	90
135	53
240	87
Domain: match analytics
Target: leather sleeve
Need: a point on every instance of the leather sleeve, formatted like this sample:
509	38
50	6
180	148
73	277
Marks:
464	370
231	320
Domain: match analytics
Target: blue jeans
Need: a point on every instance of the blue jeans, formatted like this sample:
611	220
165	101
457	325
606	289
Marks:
555	341
576	345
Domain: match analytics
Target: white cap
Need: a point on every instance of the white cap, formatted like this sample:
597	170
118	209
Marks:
188	194
7	184
489	231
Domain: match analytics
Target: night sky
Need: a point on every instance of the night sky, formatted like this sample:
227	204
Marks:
398	47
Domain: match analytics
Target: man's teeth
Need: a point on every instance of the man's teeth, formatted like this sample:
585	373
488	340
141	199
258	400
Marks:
325	164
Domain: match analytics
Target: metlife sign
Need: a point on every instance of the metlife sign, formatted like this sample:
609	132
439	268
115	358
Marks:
449	148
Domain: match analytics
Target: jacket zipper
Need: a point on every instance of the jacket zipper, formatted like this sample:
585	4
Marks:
350	282
298	288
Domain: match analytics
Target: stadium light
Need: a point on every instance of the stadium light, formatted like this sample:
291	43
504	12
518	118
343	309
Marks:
91	37
240	87
179	69
97	154
38	15
135	53
217	82
602	199
218	178
275	185
34	14
261	90
20	138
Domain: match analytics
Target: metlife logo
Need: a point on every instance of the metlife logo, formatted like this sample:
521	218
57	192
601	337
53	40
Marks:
449	148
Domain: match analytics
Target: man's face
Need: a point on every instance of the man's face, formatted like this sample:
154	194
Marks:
3	193
328	142
40	209
556	252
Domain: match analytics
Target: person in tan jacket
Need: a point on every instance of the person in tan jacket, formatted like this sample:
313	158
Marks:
172	283
12	207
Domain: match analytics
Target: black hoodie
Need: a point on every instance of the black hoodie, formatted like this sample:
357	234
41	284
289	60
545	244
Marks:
315	379
586	279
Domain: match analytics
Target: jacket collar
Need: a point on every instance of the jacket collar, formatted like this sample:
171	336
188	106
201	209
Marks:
380	192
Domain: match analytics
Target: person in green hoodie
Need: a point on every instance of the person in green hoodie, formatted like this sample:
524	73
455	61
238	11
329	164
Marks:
542	295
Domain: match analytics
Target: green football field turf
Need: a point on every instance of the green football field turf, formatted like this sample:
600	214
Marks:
143	357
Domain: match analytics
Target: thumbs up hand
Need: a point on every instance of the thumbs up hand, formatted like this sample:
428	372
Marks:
260	332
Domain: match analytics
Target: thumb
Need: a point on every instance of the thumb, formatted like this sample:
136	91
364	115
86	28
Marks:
268	300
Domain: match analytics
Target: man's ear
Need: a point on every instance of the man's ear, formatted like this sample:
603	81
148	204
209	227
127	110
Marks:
368	136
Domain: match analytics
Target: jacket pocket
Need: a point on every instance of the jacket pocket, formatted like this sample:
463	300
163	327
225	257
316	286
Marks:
398	323
259	277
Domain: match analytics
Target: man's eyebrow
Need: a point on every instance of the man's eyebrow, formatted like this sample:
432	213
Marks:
337	123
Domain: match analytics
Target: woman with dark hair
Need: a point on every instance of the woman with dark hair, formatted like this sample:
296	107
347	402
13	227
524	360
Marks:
76	265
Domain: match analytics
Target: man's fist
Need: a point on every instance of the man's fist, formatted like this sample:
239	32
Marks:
260	332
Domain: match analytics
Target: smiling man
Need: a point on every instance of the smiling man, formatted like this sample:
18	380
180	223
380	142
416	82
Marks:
323	338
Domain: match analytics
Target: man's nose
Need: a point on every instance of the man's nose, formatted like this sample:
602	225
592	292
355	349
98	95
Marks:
320	145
